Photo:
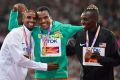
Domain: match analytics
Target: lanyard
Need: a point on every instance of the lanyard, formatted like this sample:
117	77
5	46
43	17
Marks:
45	38
29	46
94	40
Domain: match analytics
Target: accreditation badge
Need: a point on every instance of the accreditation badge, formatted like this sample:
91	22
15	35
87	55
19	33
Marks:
92	62
52	48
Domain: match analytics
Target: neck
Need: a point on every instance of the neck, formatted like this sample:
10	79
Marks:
45	28
30	29
93	29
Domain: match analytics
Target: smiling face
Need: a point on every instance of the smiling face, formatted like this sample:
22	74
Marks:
29	19
44	19
88	20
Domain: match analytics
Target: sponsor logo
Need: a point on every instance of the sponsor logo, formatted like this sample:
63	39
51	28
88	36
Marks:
82	44
52	40
102	45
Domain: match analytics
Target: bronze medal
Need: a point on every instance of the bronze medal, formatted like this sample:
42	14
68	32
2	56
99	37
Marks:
29	56
87	55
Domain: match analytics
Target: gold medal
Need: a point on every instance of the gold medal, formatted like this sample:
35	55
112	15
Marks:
45	39
44	51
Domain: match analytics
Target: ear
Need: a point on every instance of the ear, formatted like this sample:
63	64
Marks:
23	17
23	20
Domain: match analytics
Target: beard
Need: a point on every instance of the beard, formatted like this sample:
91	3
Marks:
30	26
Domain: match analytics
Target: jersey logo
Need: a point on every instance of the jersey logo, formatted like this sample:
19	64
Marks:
82	44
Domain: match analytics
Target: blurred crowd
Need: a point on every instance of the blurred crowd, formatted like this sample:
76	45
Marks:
69	11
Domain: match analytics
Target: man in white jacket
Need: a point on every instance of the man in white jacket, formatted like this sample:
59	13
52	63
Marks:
16	44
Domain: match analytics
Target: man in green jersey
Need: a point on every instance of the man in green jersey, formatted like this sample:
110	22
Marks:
50	40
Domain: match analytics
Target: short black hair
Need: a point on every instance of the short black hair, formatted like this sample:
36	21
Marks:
94	9
44	8
23	15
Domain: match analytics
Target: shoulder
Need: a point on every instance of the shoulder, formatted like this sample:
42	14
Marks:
14	34
56	23
16	31
107	32
61	25
36	29
81	32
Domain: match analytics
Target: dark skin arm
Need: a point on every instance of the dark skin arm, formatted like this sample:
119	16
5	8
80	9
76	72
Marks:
52	66
19	7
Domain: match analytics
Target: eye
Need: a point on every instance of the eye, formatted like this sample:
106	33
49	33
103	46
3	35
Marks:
29	17
85	19
46	17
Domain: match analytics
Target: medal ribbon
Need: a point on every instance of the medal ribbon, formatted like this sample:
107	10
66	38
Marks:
45	38
29	46
94	40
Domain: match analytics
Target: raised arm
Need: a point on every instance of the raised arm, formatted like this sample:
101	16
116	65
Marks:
70	30
13	19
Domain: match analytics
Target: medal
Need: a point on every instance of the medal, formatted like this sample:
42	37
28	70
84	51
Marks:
45	39
44	51
87	55
89	49
94	40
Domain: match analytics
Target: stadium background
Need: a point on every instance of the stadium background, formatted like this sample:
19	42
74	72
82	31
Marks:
69	11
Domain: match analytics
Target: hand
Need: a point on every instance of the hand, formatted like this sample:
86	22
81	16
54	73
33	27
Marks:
52	66
95	55
31	71
19	7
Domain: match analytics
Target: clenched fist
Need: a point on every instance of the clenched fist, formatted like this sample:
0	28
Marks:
19	7
52	66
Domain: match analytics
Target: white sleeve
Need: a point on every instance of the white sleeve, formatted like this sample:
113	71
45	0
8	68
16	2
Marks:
32	51
16	53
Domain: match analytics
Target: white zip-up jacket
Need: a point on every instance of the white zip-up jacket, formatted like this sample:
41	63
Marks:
13	65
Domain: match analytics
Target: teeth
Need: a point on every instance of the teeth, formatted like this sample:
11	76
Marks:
31	24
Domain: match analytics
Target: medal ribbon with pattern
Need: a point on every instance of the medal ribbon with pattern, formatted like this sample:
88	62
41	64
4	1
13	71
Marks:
45	39
94	40
29	46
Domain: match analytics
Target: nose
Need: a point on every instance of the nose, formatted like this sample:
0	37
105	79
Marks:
42	20
82	22
33	20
